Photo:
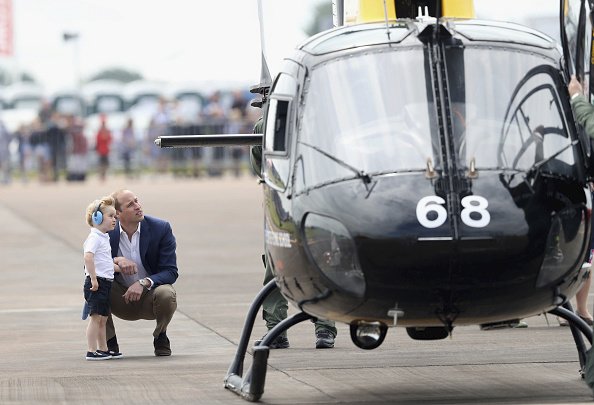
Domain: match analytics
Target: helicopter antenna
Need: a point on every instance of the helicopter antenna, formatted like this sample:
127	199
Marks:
437	16
386	18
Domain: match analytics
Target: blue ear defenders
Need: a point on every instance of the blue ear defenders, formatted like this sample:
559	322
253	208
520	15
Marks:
97	216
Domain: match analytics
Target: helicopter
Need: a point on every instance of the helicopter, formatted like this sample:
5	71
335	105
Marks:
422	169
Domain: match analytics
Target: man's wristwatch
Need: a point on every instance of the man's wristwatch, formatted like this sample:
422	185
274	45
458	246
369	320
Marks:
144	282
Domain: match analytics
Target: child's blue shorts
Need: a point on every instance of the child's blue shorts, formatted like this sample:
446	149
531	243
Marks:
98	301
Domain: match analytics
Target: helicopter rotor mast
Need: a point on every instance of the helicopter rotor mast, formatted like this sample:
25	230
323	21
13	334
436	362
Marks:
337	13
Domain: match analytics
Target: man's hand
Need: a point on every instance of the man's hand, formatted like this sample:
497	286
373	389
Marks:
574	86
127	267
133	293
94	284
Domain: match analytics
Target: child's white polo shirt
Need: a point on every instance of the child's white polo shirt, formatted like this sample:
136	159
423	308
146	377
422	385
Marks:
98	243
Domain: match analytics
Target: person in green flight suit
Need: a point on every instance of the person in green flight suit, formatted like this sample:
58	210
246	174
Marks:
583	112
584	115
274	307
582	108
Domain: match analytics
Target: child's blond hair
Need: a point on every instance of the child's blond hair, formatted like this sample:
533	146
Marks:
106	201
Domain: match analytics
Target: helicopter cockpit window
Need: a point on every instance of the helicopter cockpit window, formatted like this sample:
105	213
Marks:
528	142
279	122
359	113
276	125
511	117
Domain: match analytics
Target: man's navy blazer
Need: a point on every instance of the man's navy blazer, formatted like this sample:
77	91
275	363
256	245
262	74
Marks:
157	249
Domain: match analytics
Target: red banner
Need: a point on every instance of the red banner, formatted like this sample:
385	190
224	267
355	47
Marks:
6	47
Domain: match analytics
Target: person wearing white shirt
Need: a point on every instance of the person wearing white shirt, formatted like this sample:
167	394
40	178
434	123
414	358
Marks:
99	273
144	249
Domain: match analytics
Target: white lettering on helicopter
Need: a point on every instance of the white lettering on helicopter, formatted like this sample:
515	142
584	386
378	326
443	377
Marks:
471	204
280	239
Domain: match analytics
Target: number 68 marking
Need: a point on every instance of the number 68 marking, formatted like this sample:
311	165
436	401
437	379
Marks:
470	204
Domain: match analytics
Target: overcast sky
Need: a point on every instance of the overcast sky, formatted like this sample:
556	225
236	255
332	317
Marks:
176	40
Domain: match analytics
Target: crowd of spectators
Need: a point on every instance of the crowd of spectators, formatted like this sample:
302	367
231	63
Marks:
57	146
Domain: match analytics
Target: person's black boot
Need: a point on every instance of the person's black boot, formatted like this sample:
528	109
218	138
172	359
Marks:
281	342
324	340
162	345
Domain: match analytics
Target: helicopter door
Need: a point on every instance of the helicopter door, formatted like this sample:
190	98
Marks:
589	38
573	26
576	38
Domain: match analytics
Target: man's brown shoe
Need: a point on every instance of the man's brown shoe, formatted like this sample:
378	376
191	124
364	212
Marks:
162	346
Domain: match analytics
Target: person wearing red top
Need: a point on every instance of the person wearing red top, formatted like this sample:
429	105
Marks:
102	146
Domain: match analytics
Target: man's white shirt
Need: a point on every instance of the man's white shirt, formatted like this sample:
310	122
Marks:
130	249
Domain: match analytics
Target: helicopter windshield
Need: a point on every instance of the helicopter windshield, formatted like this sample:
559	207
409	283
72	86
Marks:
506	111
504	107
377	122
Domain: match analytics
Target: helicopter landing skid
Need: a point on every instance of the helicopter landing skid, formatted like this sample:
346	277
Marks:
576	325
251	386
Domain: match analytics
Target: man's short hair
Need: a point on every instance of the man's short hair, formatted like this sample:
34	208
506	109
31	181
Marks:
115	196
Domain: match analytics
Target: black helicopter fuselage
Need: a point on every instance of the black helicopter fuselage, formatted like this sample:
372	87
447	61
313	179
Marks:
426	171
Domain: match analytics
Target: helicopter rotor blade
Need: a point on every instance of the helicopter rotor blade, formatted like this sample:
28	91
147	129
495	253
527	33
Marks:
265	77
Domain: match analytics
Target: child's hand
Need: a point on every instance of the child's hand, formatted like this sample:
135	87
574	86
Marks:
94	284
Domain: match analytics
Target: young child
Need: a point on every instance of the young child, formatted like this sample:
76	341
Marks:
99	271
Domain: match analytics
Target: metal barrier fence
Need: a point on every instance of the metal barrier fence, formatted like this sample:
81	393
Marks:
143	157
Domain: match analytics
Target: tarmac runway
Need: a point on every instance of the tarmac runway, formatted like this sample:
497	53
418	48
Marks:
218	226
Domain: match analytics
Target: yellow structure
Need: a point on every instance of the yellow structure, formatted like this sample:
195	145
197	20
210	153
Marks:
373	10
361	11
457	8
